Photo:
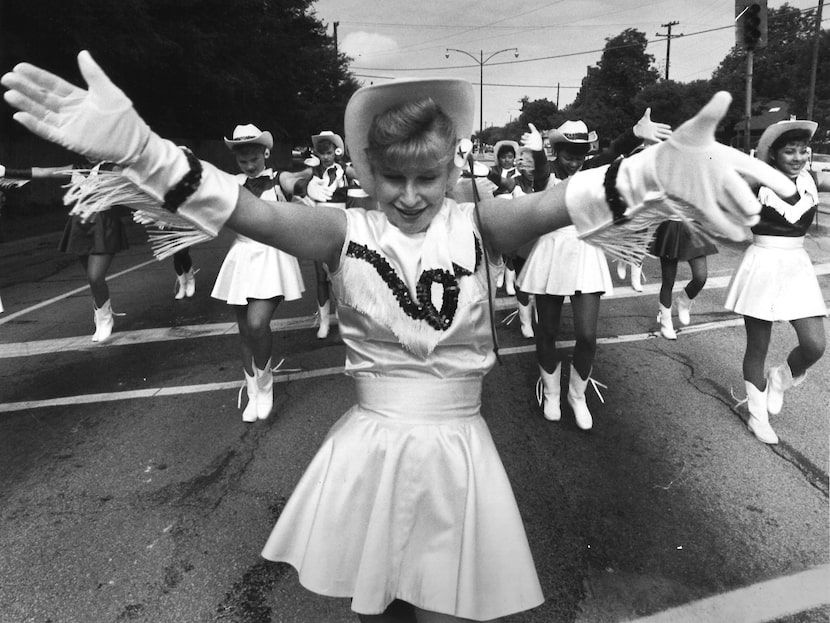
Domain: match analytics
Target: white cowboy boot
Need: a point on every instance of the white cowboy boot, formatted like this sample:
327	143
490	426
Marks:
181	287
620	269
323	313
526	319
576	398
637	277
265	390
758	421
510	281
190	283
250	412
548	390
666	326
780	379
684	306
103	322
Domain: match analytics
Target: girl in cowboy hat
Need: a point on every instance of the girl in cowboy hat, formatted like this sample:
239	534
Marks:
331	187
560	265
776	279
406	508
255	278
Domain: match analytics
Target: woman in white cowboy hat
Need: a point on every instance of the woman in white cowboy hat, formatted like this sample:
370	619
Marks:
254	277
776	279
406	508
561	265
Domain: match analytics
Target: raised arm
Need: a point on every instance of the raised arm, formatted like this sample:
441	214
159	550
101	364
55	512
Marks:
102	124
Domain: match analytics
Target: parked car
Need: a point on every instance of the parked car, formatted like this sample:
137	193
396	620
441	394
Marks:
820	162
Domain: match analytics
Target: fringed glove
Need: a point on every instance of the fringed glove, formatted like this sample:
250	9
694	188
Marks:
688	177
102	124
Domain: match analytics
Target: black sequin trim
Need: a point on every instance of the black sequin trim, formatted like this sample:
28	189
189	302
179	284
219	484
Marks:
186	186
612	195
422	309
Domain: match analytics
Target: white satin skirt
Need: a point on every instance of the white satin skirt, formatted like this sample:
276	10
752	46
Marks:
776	281
408	499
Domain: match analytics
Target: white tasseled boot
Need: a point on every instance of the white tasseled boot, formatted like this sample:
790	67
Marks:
548	390
103	322
510	281
250	412
576	398
780	379
637	277
666	326
190	283
684	306
758	421
323	313
526	318
265	390
181	287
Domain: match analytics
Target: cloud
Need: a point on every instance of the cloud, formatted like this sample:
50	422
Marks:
367	46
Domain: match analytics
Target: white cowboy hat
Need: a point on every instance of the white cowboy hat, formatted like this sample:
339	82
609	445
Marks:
455	97
249	134
575	132
775	130
501	144
328	135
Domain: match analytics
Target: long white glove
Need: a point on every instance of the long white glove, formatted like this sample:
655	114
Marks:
102	124
689	175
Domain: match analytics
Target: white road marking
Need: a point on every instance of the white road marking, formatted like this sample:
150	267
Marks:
764	601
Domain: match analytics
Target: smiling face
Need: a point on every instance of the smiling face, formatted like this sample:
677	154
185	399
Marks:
791	157
410	153
570	158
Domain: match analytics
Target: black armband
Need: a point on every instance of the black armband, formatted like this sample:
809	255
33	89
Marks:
612	195
19	174
186	186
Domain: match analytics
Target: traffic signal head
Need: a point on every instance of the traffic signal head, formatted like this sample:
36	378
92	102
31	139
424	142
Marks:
751	24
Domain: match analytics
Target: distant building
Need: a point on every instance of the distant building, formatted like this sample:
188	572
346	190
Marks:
772	112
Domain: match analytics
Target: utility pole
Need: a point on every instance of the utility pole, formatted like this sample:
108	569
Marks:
812	94
335	25
668	37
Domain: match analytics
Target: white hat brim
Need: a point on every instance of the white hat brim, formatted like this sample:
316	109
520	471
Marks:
265	139
454	96
775	130
334	138
556	136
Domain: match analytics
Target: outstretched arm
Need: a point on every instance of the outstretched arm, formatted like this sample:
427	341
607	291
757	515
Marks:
101	123
690	175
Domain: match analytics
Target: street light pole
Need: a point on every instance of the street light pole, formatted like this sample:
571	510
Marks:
481	62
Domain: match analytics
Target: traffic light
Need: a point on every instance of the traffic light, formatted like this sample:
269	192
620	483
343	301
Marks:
751	24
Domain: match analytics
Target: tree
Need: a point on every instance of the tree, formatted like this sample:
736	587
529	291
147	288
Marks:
605	100
542	113
194	68
781	71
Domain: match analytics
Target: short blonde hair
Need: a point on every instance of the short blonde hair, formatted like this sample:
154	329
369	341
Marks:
417	130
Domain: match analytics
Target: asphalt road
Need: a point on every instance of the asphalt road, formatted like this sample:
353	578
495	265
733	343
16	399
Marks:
132	491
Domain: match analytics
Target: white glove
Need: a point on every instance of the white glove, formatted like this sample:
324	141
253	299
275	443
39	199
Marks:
100	123
2	171
706	179
485	187
533	139
319	190
651	131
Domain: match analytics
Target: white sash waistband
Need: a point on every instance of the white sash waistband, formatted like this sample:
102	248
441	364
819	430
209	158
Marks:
422	399
779	242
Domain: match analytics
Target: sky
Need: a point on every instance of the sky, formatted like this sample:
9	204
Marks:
556	41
